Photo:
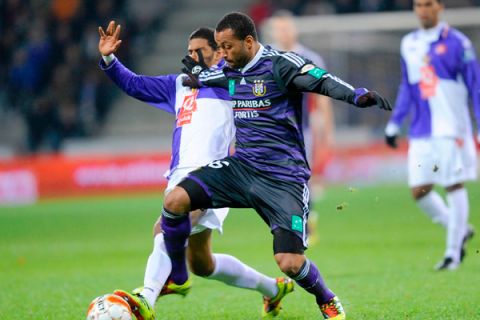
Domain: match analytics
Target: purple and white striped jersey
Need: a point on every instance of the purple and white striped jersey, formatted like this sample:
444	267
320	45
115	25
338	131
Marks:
439	74
203	124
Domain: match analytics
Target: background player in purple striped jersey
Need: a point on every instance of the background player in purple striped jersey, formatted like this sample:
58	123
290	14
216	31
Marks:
203	132
269	169
439	73
318	123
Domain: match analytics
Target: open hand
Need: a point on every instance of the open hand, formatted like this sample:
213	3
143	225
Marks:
109	41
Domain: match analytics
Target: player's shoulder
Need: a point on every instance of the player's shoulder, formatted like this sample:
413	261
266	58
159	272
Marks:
283	58
458	37
408	42
409	37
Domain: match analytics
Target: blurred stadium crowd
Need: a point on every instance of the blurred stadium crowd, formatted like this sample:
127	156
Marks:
49	56
262	9
49	62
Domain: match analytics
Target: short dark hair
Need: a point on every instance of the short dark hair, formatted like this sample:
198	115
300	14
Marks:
241	24
205	33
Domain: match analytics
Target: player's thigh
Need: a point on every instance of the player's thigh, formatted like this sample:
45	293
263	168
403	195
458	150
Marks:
422	162
282	205
222	183
468	154
456	164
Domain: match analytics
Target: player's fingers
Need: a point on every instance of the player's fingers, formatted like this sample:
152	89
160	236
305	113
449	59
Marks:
101	32
116	35
200	56
110	27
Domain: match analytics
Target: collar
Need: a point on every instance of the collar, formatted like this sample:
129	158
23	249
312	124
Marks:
254	60
435	33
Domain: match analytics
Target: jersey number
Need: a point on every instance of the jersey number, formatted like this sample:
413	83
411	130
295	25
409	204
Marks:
217	164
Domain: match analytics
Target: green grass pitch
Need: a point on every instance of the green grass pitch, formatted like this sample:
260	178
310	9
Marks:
377	254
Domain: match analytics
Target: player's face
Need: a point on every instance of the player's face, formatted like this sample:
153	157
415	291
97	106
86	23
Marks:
202	45
284	33
428	12
237	53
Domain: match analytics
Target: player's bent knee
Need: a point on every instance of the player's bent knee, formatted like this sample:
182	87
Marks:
289	263
288	249
177	201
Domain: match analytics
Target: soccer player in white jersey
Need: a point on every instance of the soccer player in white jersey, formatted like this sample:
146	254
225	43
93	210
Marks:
318	123
203	132
439	74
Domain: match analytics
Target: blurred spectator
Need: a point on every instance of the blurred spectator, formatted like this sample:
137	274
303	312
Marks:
401	5
43	125
372	5
260	10
346	6
65	10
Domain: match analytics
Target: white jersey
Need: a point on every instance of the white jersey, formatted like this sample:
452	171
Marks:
203	128
204	125
439	74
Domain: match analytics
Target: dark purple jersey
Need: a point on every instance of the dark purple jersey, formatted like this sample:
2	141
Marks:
268	109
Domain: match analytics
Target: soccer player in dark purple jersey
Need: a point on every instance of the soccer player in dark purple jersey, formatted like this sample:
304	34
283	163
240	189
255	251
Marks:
203	118
269	170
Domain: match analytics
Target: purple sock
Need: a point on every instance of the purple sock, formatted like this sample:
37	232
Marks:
176	229
309	278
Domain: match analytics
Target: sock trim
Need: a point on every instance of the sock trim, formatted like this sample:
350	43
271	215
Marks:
303	271
167	214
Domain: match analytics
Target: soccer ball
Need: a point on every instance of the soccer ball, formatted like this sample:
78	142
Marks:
109	307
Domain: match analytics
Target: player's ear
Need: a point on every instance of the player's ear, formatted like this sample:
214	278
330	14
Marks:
249	41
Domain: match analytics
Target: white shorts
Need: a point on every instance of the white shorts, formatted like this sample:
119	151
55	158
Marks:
210	218
444	161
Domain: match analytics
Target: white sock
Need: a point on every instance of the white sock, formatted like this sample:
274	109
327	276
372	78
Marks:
458	222
434	206
157	271
233	272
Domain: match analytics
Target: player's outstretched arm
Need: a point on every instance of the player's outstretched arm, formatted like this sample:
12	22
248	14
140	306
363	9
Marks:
328	85
156	91
294	72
